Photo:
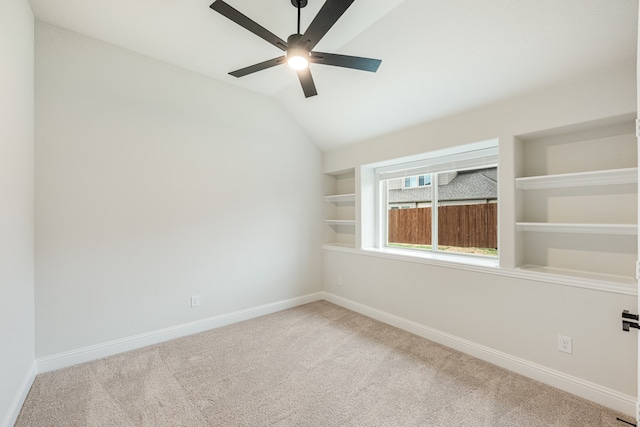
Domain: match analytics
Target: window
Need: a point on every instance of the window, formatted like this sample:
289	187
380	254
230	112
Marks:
417	181
441	203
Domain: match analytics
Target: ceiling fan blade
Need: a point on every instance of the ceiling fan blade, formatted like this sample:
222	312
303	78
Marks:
258	67
330	12
308	87
355	62
229	12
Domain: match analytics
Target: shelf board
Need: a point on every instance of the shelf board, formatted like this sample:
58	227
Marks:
340	221
551	227
579	179
338	246
340	198
580	276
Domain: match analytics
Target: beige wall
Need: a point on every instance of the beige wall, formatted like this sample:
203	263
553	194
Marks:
511	315
17	364
154	184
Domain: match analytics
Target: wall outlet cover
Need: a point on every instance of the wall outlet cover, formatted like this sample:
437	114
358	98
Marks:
565	344
195	300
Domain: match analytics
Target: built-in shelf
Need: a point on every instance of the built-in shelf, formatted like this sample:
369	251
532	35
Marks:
579	179
340	209
576	204
339	246
340	198
340	222
550	227
579	275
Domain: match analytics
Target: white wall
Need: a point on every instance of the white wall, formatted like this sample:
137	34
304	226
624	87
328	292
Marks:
153	184
584	98
514	316
17	365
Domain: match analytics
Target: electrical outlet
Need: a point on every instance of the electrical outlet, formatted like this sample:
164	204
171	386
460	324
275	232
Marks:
564	344
340	281
195	300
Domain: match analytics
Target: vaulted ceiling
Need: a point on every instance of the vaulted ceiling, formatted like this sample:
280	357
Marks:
439	57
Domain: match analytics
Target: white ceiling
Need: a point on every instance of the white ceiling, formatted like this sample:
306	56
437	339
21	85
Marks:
438	57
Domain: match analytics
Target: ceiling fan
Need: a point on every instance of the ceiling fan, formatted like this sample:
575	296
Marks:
298	47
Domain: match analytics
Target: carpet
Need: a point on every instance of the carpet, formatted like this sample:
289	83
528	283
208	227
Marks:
313	365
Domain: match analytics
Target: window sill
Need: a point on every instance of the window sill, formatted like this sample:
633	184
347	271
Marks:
491	266
441	259
449	260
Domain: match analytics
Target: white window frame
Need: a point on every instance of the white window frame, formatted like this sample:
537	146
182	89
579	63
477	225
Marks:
467	157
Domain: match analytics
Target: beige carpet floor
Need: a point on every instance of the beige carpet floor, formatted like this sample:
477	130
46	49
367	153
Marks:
314	365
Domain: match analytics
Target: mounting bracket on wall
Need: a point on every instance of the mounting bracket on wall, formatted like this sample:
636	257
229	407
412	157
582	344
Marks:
631	322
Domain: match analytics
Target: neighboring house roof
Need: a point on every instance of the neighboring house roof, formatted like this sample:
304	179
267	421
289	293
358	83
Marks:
467	185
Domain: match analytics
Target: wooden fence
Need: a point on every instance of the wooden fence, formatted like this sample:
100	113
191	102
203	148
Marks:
467	226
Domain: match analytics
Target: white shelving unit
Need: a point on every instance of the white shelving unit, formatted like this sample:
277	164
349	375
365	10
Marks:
580	277
340	200
551	227
576	202
351	222
579	179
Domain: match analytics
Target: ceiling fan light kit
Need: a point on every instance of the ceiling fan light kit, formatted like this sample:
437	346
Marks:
298	47
297	56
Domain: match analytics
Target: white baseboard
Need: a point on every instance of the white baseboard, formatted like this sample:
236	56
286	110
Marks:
94	352
14	409
602	395
596	393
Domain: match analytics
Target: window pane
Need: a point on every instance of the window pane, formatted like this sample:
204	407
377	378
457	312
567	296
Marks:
410	225
410	182
468	212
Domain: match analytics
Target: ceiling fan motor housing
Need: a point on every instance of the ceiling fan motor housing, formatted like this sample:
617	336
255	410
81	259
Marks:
294	40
